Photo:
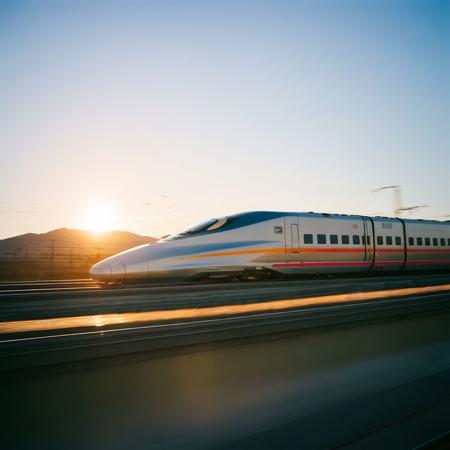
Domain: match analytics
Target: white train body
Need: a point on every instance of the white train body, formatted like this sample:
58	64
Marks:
285	243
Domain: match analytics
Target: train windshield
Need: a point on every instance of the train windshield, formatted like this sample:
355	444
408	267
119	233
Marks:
209	225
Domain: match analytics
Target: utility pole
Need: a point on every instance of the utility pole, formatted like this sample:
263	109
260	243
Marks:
397	200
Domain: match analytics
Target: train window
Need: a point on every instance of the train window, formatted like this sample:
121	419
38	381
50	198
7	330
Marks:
368	240
334	239
355	239
442	242
321	239
379	240
308	238
363	240
411	241
388	240
419	241
345	239
217	224
435	242
209	225
398	240
448	241
427	241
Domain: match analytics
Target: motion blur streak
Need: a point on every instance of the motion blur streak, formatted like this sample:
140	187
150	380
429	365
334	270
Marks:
216	311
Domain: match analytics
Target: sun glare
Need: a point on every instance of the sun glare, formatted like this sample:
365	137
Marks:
98	219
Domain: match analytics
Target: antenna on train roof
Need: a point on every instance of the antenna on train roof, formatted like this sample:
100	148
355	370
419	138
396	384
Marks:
412	208
397	196
398	208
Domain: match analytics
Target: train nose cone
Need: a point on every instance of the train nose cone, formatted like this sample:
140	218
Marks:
110	270
118	271
100	271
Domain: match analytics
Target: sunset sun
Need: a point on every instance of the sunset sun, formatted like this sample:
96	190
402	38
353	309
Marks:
98	219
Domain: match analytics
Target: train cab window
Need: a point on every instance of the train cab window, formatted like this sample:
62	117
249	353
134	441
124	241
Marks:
435	242
321	239
334	239
419	241
379	240
345	239
427	241
355	239
442	242
398	240
410	241
209	225
308	238
388	240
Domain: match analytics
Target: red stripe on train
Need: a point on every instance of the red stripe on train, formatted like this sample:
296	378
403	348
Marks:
357	263
429	261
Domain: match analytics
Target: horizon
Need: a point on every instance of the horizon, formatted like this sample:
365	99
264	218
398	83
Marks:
103	232
150	118
88	232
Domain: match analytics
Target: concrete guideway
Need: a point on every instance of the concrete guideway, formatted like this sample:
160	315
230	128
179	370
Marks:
212	311
54	346
349	384
16	306
318	364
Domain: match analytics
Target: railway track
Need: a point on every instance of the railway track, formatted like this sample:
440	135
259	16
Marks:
55	345
53	301
24	287
27	286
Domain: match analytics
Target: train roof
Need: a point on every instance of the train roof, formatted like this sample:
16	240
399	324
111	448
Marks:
243	219
251	217
427	221
261	216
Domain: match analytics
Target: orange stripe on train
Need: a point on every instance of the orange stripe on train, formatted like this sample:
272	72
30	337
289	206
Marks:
309	250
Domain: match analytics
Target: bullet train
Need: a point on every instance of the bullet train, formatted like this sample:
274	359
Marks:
266	243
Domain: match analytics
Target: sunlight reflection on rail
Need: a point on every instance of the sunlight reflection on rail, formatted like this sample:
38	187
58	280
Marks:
103	320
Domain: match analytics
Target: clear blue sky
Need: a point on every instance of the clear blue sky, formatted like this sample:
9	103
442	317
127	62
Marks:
173	112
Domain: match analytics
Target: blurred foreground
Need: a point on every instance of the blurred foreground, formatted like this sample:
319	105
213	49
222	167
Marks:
382	384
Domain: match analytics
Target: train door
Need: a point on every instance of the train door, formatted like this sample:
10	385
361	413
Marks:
389	245
368	242
292	242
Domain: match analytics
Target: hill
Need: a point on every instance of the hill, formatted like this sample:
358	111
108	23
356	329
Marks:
80	240
61	253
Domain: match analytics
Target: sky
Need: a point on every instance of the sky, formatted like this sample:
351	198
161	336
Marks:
161	114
